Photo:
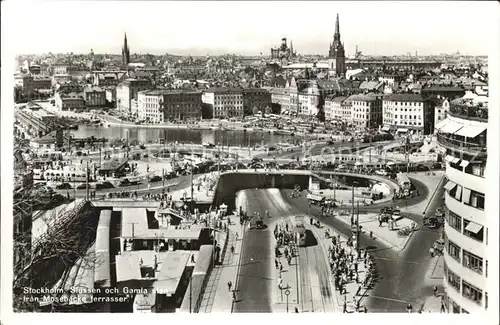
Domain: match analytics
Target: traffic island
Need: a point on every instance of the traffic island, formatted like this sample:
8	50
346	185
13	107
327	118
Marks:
396	235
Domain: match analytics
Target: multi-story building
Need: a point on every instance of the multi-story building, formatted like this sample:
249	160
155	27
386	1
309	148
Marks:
463	134
224	102
304	97
255	99
440	111
94	96
366	110
182	104
31	84
65	101
281	96
346	109
149	105
408	113
333	108
127	90
111	96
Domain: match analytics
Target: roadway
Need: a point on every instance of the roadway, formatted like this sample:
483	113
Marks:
256	278
401	274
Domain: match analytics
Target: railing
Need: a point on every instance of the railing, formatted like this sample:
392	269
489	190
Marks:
454	143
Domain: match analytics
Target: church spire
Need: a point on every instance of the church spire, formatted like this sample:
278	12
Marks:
336	36
337	25
125	51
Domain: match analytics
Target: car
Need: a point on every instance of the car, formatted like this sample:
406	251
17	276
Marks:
436	165
423	168
381	172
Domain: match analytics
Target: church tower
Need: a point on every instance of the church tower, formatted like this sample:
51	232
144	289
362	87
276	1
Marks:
125	52
336	55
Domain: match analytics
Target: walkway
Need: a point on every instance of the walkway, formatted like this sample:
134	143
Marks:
217	297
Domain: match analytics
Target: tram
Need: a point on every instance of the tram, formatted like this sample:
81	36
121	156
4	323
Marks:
300	233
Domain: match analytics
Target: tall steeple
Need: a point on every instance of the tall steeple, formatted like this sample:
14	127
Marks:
336	36
125	51
336	53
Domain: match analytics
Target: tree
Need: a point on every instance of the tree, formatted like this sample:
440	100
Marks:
320	115
276	108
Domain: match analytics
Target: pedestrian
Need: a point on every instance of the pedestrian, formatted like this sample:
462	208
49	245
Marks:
234	295
344	309
192	258
359	290
232	249
276	263
236	236
371	234
229	285
281	267
409	308
435	290
296	310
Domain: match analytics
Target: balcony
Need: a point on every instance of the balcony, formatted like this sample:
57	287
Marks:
470	148
466	109
470	181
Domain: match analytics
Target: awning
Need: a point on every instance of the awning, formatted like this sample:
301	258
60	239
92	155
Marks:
455	160
402	130
471	131
449	186
451	127
458	193
441	124
466	196
464	163
473	227
449	158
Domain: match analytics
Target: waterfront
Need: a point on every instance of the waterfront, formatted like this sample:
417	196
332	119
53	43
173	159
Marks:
182	135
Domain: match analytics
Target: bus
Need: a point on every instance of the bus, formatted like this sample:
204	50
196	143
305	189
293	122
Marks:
299	232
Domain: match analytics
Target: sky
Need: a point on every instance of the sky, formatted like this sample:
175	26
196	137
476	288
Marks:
248	28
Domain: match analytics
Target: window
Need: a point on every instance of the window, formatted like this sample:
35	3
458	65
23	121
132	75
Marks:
472	262
477	200
453	250
471	292
455	221
453	280
474	230
486	269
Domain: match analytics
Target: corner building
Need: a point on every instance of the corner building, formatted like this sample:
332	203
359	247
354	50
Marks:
463	135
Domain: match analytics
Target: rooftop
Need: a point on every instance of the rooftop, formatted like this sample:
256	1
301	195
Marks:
224	90
364	98
138	217
404	98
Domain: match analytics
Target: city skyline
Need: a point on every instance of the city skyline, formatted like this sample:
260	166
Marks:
433	28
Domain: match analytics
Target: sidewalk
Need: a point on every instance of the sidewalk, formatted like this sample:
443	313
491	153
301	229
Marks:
216	296
369	222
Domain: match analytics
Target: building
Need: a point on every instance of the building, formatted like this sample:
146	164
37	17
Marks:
68	101
346	107
125	52
111	96
304	97
333	108
440	111
32	84
62	69
280	96
255	99
127	90
336	54
108	78
404	113
463	134
182	105
94	96
450	92
149	105
366	110
224	102
283	52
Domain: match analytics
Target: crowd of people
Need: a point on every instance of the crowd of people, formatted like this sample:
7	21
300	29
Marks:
344	264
